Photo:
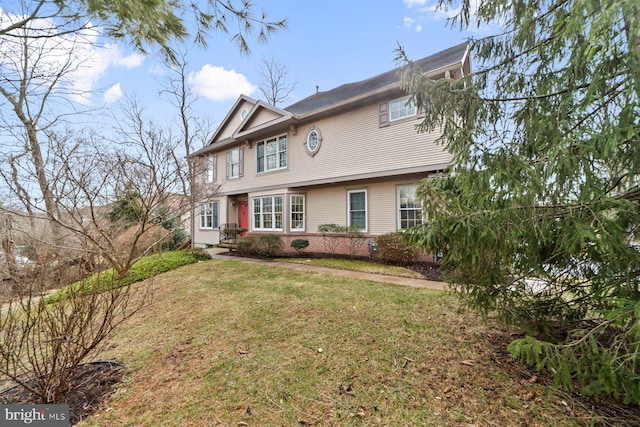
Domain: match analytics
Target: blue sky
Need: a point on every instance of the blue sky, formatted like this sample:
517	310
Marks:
327	43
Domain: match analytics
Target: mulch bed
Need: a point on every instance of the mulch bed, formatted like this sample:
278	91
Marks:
92	384
610	412
430	270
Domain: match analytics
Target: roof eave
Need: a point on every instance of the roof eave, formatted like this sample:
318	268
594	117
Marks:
373	93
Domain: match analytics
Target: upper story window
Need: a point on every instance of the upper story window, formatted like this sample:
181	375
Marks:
313	141
272	154
210	167
401	108
235	163
409	207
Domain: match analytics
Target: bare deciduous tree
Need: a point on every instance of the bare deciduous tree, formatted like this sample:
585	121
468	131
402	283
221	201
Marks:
193	132
41	343
276	86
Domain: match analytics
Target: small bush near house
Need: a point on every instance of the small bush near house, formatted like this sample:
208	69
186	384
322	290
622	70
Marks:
355	240
392	250
262	245
299	245
332	235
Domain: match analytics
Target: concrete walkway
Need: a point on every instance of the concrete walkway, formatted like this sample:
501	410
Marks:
218	253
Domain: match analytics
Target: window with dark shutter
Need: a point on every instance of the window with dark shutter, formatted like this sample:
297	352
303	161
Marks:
235	163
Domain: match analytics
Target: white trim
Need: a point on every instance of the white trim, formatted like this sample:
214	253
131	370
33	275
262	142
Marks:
304	213
366	207
214	213
406	100
398	205
277	139
262	212
210	170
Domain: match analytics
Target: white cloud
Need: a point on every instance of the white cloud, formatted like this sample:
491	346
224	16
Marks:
97	60
412	3
78	60
446	12
156	70
409	24
113	94
218	84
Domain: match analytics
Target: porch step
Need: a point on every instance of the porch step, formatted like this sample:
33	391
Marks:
227	245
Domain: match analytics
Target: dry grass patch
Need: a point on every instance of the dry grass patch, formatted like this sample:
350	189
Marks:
226	343
356	265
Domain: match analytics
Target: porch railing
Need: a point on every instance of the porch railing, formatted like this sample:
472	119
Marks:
229	231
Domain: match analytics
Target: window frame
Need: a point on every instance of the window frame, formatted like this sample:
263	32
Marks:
403	108
213	213
210	169
400	209
279	154
262	213
239	163
292	212
366	208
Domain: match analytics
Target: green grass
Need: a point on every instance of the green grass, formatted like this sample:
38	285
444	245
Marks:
143	269
225	343
355	265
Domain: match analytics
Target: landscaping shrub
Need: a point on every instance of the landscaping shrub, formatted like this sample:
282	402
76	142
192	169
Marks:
355	240
261	245
392	250
144	268
332	235
299	245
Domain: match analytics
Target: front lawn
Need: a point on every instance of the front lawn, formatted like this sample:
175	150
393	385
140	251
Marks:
230	343
355	265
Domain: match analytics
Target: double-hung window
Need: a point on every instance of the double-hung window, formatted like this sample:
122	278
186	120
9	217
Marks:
401	108
296	206
268	213
409	207
210	171
357	200
272	154
235	163
209	215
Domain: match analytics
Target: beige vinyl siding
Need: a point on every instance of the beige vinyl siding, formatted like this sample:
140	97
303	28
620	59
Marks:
234	121
262	116
352	144
382	208
328	205
205	237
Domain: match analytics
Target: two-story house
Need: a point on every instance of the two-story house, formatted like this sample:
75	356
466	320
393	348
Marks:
347	156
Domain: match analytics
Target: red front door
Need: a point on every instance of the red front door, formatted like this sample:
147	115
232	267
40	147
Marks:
243	214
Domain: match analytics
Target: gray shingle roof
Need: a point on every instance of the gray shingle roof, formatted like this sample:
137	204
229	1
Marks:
450	56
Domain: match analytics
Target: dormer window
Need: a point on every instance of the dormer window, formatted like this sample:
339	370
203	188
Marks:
401	108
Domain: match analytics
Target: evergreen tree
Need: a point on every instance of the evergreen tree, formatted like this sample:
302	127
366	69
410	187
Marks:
128	208
539	217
